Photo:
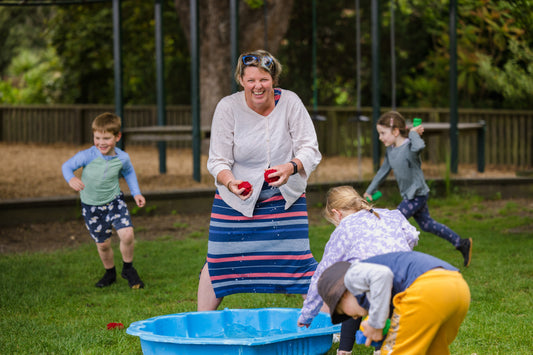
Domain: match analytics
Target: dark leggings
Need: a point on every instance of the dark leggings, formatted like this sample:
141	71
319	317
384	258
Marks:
348	329
418	209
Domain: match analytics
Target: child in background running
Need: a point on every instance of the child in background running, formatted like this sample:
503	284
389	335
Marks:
403	156
361	232
102	202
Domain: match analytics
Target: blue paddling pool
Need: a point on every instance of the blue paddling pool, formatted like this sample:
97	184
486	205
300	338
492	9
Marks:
235	331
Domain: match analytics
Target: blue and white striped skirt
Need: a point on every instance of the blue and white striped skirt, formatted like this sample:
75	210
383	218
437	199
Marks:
266	253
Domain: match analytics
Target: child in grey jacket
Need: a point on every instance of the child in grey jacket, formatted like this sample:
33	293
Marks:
403	156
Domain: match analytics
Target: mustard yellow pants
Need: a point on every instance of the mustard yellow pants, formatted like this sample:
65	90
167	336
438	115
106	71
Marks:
427	315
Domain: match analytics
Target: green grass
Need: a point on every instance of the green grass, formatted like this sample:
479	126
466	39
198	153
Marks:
49	305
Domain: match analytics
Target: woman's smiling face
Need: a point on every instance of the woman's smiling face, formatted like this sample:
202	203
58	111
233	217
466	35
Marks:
258	89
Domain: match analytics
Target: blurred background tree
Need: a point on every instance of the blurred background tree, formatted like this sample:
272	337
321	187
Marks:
256	17
64	54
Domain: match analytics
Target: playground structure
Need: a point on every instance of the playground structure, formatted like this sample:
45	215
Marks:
196	130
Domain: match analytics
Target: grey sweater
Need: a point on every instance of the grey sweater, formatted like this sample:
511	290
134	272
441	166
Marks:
406	163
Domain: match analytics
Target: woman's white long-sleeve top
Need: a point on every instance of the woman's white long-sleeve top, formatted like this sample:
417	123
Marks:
247	143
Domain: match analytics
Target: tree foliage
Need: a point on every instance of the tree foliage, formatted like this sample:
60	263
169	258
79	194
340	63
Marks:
83	36
34	78
484	29
70	49
28	70
515	79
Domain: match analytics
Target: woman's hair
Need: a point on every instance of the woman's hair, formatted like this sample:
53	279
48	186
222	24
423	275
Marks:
260	59
393	119
345	198
107	122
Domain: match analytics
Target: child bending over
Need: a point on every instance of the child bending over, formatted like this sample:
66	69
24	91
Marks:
426	299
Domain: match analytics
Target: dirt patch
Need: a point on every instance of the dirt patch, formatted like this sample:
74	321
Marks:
45	237
30	170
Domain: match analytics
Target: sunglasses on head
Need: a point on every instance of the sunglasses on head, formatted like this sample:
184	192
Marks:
266	62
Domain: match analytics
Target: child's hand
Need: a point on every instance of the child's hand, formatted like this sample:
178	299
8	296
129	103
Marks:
303	325
371	333
139	200
418	129
367	196
76	184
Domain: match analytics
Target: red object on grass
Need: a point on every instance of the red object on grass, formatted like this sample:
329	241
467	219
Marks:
115	326
272	179
247	187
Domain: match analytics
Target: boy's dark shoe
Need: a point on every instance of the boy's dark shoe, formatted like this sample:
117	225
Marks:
465	247
133	278
108	279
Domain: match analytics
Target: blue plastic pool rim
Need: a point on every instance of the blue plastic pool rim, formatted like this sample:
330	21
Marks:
135	329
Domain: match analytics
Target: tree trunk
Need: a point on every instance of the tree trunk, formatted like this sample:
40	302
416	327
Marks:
214	34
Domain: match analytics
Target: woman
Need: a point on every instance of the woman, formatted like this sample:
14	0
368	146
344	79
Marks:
258	237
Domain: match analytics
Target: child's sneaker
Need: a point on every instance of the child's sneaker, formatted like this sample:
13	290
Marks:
465	247
108	278
133	278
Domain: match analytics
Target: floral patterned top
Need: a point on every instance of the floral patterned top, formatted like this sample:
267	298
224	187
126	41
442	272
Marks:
357	237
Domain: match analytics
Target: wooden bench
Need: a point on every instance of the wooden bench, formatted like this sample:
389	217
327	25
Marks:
475	127
163	133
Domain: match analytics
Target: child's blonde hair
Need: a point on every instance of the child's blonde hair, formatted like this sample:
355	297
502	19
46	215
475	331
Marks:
345	198
107	122
393	119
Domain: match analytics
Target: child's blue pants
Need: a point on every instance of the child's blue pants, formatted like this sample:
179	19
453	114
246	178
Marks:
418	209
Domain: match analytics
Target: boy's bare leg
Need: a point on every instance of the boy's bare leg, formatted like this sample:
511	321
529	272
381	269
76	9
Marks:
127	243
207	300
106	253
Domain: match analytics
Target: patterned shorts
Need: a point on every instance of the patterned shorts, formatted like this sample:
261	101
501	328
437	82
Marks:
100	220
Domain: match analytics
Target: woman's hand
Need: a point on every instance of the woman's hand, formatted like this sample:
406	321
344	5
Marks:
284	172
371	333
233	186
